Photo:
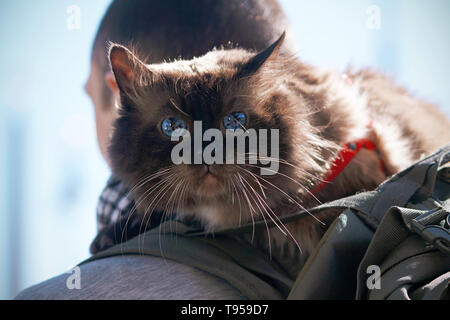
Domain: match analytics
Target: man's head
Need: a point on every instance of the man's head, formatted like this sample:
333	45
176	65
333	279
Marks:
166	30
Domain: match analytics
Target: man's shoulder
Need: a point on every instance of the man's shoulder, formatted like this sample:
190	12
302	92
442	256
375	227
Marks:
132	277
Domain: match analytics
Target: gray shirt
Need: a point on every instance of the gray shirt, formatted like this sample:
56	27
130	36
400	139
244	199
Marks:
133	278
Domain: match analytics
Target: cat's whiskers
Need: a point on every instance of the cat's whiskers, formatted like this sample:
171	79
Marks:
230	190
177	193
235	190
308	191
287	195
282	161
160	188
168	208
148	192
255	178
252	210
262	214
264	203
182	196
148	178
259	183
144	196
158	197
174	195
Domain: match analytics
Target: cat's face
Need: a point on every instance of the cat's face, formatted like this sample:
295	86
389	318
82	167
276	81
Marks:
224	90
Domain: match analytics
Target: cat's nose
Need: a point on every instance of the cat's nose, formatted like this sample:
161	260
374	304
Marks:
204	169
213	169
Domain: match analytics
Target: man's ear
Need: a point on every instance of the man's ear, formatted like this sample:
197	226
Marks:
258	61
128	70
110	81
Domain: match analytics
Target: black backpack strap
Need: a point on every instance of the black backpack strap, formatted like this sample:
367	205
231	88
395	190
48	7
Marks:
411	230
418	180
330	272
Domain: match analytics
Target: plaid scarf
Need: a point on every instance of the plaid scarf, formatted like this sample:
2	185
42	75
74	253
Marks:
115	224
114	203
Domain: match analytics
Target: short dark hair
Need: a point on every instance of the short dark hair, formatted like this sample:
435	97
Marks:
170	29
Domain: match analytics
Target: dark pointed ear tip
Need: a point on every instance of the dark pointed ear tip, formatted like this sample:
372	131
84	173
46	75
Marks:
280	40
255	63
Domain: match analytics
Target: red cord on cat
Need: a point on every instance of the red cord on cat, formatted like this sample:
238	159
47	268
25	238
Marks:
349	151
344	158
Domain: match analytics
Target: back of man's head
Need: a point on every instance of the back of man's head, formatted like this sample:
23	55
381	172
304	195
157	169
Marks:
172	29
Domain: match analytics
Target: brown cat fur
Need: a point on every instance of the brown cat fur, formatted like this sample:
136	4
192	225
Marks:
317	112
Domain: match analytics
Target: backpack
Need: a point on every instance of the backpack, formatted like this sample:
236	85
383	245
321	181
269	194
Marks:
390	243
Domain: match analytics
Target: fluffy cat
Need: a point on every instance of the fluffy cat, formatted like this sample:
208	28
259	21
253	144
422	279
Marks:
316	113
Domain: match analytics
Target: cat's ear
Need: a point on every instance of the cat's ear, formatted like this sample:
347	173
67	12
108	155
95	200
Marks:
128	70
258	61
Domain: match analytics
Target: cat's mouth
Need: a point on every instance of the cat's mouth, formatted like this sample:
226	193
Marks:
210	179
209	183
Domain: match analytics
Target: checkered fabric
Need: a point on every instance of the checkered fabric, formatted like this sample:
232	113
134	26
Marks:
114	203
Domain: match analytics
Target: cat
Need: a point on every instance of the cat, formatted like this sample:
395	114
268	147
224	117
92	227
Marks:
316	113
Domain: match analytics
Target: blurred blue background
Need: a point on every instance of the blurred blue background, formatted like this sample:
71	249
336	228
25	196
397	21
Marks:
51	171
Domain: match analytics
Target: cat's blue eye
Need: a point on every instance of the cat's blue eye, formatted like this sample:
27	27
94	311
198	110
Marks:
170	125
235	121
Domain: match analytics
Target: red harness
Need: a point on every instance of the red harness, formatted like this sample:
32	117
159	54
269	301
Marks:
348	152
346	155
